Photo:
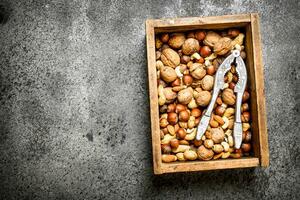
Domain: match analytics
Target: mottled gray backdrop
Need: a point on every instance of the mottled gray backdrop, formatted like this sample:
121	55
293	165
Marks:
74	115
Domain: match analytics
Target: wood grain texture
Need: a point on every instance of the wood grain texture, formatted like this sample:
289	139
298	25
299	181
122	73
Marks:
209	165
260	91
255	72
150	37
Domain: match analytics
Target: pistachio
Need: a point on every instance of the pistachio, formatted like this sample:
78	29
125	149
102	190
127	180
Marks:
217	148
208	143
225	146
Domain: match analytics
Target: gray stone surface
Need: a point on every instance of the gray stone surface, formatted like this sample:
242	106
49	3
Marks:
74	115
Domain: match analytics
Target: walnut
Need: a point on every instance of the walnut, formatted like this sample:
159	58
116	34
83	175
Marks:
204	153
190	46
223	46
185	95
197	70
176	40
228	96
217	135
203	98
211	38
170	57
168	74
207	82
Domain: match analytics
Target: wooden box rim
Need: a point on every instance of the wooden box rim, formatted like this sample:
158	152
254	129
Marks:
251	20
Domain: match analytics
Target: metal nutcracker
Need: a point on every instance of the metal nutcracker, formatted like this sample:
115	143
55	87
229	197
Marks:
239	90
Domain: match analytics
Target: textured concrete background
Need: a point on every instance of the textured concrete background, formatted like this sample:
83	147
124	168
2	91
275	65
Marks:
74	117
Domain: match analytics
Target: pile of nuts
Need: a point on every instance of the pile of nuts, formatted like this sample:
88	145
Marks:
186	65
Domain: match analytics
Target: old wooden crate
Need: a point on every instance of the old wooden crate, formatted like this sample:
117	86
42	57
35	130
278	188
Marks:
254	64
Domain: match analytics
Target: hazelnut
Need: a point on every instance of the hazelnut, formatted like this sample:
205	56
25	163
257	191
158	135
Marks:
181	133
220	110
207	82
247	137
176	82
200	35
203	98
190	46
179	108
172	118
190	35
246	96
176	40
168	74
245	107
246	147
217	135
204	153
245	116
171	108
235	79
187	80
164	37
208	134
197	143
228	96
197	121
158	43
174	143
170	58
201	60
210	70
196	112
233	33
205	51
231	85
185	95
211	38
223	46
185	59
166	149
184	116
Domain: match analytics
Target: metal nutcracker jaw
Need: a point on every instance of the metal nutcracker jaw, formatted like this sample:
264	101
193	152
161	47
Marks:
219	85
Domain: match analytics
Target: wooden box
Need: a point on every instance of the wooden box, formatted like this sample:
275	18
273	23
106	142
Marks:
254	65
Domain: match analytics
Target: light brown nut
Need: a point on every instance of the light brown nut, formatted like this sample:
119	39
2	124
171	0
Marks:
223	46
225	146
184	142
197	71
208	143
168	158
181	148
246	126
226	155
176	40
207	82
217	156
170	58
228	96
180	157
217	135
203	98
158	43
218	119
185	96
213	123
167	138
204	153
190	155
190	46
171	129
217	148
211	38
229	112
